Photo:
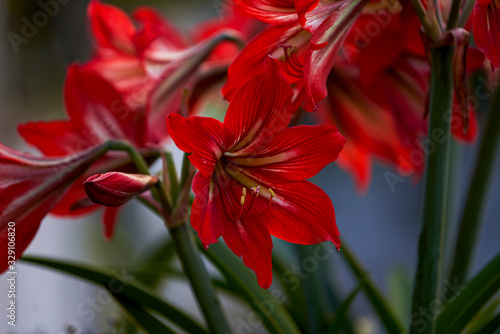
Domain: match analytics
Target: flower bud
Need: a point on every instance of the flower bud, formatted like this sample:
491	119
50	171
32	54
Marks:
115	188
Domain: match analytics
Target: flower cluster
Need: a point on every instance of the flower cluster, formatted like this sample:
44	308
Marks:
360	67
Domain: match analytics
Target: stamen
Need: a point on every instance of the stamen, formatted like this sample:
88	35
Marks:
242	202
270	200
255	194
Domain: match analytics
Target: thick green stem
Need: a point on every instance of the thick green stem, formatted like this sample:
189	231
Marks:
430	249
200	281
472	216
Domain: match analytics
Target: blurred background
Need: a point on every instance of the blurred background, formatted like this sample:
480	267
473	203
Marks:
382	227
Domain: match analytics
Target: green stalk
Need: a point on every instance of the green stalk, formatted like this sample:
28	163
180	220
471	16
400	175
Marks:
466	11
200	281
480	185
143	168
454	13
431	242
186	248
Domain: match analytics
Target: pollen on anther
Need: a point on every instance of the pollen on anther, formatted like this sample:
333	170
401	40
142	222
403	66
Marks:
255	191
243	195
271	192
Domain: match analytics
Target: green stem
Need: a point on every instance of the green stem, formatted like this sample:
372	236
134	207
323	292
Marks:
198	276
172	174
480	185
143	168
431	28
431	242
466	11
453	16
140	163
379	303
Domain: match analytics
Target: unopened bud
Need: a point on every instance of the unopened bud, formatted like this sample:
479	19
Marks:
115	188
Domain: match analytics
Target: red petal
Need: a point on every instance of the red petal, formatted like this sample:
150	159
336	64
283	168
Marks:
30	187
293	154
215	212
111	26
270	11
260	107
250	239
154	24
486	28
207	210
56	138
109	220
205	137
319	61
302	213
95	105
252	59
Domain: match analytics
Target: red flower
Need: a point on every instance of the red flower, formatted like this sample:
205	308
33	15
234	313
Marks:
305	35
486	28
149	65
252	171
115	188
96	113
30	187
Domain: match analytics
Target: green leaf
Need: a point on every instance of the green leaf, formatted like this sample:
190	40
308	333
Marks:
274	315
400	290
340	315
386	314
121	288
431	241
457	314
142	318
155	264
318	306
291	283
490	327
483	317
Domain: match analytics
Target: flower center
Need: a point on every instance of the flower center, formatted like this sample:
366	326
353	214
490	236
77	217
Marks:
253	196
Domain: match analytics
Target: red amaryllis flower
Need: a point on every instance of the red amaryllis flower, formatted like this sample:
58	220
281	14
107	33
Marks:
149	65
252	170
486	29
96	113
30	187
115	188
377	93
305	35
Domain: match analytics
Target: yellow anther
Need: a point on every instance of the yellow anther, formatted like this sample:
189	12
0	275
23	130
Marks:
242	200
271	192
244	192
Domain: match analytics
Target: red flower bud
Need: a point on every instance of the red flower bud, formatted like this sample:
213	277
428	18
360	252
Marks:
115	188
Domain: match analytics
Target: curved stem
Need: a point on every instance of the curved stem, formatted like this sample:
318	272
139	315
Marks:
198	276
431	242
480	185
143	168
